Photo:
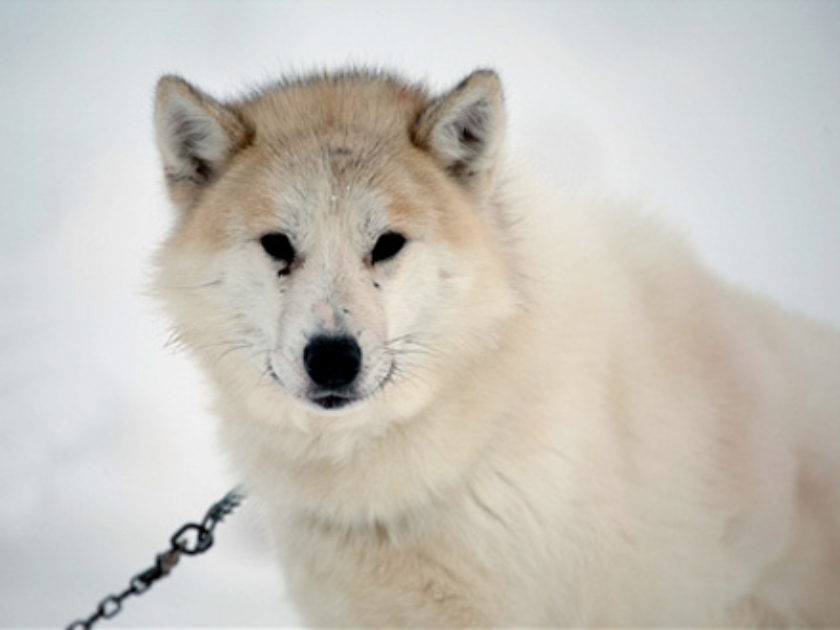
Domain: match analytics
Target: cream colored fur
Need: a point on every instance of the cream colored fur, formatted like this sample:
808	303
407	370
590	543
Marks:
566	421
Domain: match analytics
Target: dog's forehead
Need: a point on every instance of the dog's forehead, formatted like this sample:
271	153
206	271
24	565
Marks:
309	188
323	202
314	183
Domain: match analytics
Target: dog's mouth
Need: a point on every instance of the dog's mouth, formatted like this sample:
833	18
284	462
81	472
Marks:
339	399
333	400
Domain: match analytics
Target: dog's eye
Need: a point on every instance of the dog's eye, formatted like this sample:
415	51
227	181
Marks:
279	247
387	246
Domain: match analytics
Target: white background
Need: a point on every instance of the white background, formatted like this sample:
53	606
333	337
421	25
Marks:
724	115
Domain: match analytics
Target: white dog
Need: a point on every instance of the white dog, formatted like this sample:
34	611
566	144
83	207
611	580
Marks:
463	404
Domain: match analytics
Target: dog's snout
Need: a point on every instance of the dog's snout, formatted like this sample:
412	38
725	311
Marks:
332	361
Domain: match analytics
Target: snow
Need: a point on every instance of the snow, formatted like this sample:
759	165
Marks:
726	115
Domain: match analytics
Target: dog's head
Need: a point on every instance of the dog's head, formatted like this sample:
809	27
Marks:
336	246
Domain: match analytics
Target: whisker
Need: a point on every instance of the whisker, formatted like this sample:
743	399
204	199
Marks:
225	342
204	285
407	351
222	355
409	343
405	370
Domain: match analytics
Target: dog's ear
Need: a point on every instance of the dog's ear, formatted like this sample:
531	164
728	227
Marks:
463	129
196	136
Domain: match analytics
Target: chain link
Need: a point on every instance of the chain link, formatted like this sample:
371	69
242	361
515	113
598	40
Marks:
190	539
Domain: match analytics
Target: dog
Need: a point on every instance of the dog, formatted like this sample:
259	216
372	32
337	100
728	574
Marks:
463	401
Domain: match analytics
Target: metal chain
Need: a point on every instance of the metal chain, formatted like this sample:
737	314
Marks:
190	539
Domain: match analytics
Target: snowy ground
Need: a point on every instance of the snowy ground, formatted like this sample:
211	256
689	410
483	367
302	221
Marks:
725	115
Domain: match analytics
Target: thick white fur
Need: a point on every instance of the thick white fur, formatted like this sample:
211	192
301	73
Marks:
611	436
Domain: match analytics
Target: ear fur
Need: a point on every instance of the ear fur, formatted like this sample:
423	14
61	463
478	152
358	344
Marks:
464	128
196	135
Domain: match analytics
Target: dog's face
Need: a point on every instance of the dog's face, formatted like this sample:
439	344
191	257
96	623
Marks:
333	249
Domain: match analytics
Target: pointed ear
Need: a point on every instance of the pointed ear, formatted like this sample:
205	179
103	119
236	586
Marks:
463	129
196	136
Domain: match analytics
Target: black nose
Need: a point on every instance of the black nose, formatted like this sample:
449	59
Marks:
332	361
